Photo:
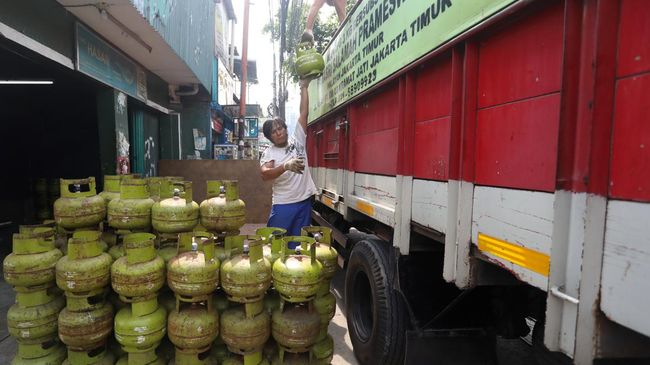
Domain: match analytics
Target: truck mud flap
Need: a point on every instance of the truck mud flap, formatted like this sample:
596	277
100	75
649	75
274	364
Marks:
464	346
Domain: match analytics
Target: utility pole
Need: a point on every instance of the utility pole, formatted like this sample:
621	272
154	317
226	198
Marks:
244	62
284	7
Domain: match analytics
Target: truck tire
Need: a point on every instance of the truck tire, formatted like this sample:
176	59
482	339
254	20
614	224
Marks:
375	312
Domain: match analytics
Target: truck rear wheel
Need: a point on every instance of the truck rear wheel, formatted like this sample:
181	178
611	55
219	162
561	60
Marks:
375	312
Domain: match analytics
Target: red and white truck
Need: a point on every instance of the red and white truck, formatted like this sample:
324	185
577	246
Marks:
493	157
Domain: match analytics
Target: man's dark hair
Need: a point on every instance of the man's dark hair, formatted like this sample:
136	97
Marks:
267	128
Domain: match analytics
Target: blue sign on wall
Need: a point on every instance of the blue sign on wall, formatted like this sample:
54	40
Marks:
101	61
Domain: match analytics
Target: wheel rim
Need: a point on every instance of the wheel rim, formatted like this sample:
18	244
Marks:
363	308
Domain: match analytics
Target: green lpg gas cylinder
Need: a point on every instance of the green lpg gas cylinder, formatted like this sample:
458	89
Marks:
33	258
193	274
325	253
79	205
325	305
297	276
309	63
140	327
98	356
132	210
273	237
111	188
323	351
295	327
87	330
244	332
32	321
193	326
246	277
178	213
141	272
55	354
85	268
223	211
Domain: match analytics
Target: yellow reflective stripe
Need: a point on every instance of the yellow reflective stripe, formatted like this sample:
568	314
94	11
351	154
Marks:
518	255
327	201
365	207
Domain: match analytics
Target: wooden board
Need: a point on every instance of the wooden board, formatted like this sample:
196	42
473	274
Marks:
252	190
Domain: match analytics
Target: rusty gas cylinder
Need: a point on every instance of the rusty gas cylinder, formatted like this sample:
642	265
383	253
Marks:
52	353
33	258
193	274
32	320
79	205
85	268
245	329
141	272
177	213
295	327
140	327
86	330
297	276
132	210
98	356
193	326
246	276
223	211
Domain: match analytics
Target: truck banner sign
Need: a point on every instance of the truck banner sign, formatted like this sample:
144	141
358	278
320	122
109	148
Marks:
382	36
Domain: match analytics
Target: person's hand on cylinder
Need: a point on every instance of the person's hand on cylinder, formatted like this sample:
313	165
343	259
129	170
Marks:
296	165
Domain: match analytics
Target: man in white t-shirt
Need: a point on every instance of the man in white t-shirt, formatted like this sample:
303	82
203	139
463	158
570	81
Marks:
286	164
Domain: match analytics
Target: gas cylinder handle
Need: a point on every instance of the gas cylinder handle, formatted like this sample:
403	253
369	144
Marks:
185	242
206	244
213	188
233	243
185	191
312	252
304	241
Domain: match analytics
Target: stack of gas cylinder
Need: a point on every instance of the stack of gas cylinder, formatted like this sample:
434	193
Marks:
187	287
87	320
32	321
140	325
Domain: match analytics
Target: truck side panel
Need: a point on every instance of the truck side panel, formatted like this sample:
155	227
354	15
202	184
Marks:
625	287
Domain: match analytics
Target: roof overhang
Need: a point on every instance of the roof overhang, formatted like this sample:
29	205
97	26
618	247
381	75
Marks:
121	24
230	11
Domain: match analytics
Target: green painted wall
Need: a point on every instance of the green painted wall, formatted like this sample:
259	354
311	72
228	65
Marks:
195	115
169	138
45	21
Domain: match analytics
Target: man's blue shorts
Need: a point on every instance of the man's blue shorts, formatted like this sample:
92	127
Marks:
291	217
